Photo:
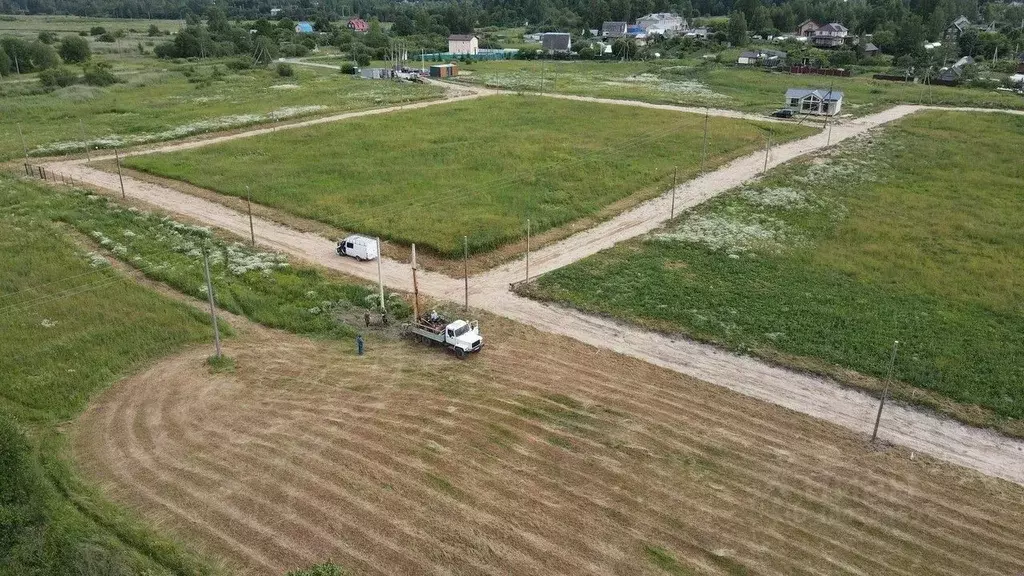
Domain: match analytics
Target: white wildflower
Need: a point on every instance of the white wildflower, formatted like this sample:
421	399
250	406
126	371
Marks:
47	323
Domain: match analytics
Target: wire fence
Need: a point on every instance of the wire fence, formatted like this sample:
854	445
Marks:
48	175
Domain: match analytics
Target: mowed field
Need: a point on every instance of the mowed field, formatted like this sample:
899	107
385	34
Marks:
160	100
693	83
914	233
479	168
539	456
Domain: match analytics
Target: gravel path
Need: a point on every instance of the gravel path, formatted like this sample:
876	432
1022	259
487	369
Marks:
940	437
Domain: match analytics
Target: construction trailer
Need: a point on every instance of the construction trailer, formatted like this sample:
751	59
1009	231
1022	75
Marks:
444	70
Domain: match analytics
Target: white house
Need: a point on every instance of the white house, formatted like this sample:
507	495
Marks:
664	23
820	102
463	44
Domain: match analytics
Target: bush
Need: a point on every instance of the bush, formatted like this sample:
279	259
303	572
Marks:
100	74
166	50
285	69
74	49
293	50
47	37
348	68
153	30
97	30
5	63
363	59
59	77
107	37
239	64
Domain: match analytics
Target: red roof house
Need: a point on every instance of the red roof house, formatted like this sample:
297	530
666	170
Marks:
358	24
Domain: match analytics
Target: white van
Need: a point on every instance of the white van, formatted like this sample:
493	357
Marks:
358	247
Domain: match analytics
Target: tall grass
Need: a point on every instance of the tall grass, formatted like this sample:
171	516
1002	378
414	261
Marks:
721	86
916	236
479	168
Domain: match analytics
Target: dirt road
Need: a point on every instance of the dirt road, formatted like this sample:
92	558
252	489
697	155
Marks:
939	437
541	456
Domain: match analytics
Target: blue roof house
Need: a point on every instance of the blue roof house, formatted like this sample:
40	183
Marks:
304	28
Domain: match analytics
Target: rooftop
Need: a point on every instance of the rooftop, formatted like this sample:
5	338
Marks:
821	93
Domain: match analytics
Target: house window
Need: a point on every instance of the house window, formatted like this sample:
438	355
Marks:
794	101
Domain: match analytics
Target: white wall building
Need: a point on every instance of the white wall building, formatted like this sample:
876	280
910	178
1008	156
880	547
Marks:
463	44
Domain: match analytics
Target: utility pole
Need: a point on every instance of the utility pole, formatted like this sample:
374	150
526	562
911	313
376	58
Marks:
16	65
380	277
767	148
415	288
672	211
85	143
248	204
704	146
828	117
885	391
121	179
209	293
465	273
527	249
24	148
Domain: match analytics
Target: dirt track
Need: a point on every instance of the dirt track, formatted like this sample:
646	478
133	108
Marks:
541	456
940	437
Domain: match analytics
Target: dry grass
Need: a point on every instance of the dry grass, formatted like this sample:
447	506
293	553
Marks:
538	456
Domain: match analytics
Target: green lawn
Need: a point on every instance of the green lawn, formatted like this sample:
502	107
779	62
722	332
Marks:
158	102
916	235
720	86
477	168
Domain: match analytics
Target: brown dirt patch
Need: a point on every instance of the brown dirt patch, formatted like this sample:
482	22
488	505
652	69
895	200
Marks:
540	455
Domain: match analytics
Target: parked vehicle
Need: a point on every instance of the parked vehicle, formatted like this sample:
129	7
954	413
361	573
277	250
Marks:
784	113
460	336
358	247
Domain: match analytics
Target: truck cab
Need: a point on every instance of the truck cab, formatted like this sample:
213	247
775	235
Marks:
463	337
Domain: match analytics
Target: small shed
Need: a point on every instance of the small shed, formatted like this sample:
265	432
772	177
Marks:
304	28
763	57
817	101
444	70
555	42
871	50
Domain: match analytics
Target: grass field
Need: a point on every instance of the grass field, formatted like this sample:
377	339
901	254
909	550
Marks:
158	102
914	234
538	456
718	86
68	329
479	168
15	25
